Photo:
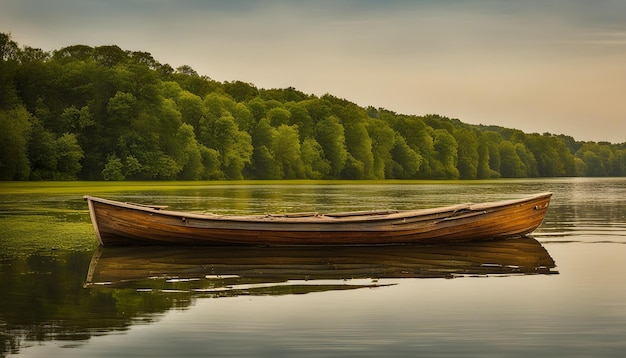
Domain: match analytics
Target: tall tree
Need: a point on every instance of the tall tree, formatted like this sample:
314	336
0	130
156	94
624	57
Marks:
446	155
330	135
69	153
234	146
468	156
406	162
315	165
287	152
511	165
15	130
383	140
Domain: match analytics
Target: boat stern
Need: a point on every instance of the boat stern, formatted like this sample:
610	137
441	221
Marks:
94	218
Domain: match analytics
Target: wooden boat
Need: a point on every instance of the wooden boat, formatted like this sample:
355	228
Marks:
127	223
232	268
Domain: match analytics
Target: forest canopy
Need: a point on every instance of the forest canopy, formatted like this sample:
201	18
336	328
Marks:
104	113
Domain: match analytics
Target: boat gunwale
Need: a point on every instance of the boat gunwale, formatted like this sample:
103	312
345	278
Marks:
321	218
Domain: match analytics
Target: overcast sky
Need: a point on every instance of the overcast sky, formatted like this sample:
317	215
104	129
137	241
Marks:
554	66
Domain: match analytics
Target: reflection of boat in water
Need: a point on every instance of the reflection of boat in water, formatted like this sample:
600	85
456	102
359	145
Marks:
127	224
242	270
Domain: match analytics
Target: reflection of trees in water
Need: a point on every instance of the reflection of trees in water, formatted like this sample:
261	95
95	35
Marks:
590	207
595	218
44	297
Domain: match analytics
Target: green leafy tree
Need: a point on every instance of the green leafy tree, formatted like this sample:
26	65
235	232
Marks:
132	168
188	155
597	159
15	131
406	161
354	168
172	90
238	156
418	136
383	140
198	85
566	157
446	155
287	152
234	146
122	108
278	116
109	55
73	53
360	145
618	163
359	141
190	107
482	170
159	166
257	107
300	117
468	157
42	152
318	109
9	66
529	164
81	111
144	58
594	164
263	134
168	122
330	135
113	170
511	166
315	165
264	165
215	106
243	117
9	49
211	164
283	95
552	155
492	141
187	71
69	153
241	91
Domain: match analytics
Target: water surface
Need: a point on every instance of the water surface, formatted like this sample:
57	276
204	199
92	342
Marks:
577	307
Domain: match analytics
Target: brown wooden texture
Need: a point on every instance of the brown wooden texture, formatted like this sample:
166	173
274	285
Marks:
126	223
115	265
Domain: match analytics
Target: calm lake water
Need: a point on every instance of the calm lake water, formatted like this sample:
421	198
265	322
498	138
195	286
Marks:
563	294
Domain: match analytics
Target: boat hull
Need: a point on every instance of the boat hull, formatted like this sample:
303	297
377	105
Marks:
118	223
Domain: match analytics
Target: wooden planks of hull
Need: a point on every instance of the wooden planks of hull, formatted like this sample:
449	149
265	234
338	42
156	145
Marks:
124	223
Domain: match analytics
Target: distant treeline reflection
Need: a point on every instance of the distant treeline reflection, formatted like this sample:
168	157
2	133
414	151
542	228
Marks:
73	296
96	113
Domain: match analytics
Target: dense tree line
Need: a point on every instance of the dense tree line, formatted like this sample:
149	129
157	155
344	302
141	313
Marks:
95	113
